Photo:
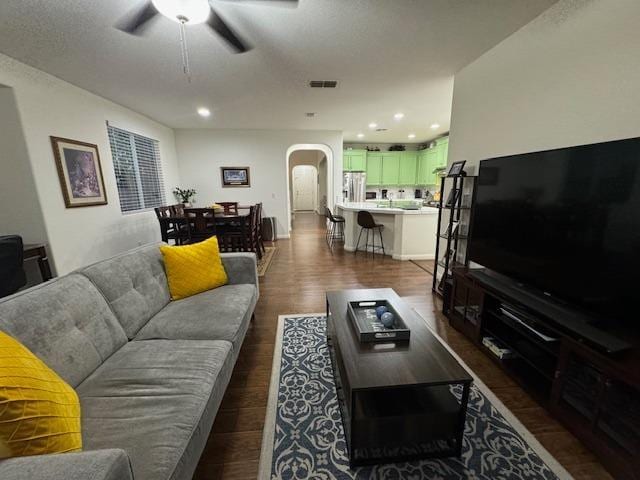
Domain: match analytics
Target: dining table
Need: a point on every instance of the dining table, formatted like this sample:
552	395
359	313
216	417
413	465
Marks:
179	223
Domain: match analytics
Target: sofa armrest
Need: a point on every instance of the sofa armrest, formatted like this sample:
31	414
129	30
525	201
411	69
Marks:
111	464
241	267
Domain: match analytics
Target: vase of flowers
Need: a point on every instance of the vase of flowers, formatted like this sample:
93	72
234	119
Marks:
185	196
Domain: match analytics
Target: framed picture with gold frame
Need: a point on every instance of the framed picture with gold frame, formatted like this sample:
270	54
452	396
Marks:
80	172
235	176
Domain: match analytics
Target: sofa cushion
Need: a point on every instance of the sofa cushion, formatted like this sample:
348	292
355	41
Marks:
65	322
40	412
156	400
134	284
194	268
220	314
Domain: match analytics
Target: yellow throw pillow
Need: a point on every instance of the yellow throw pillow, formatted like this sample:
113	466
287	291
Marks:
39	412
193	268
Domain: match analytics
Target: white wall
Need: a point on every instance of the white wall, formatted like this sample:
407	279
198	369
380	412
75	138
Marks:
50	106
203	152
20	213
569	77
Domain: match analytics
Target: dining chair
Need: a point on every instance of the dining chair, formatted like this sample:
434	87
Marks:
258	227
200	224
254	231
12	275
239	233
170	227
230	208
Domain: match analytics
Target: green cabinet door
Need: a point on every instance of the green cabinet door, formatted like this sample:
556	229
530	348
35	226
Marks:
445	153
432	163
390	168
408	167
346	161
358	160
442	149
423	168
354	160
374	168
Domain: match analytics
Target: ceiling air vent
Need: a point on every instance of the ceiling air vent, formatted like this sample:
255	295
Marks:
323	83
381	129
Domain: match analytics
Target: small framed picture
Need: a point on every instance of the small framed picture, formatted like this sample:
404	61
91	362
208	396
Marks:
80	172
456	168
454	194
235	176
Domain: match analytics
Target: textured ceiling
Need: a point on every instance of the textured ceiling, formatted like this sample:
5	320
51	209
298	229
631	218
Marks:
388	55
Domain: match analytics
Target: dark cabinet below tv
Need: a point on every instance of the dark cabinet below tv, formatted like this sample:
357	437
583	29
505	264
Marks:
594	394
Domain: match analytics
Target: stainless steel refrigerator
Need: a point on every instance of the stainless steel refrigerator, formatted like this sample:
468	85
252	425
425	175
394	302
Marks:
354	185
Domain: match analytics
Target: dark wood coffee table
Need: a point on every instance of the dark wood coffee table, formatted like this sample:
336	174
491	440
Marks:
397	400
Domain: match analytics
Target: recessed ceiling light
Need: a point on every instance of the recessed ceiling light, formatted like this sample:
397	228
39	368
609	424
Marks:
399	116
435	125
360	135
412	135
373	125
204	112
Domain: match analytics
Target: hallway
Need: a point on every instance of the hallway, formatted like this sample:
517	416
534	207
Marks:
302	270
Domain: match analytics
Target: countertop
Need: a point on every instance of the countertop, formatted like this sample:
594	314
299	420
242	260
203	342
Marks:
373	208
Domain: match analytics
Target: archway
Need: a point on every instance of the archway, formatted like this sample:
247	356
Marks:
328	153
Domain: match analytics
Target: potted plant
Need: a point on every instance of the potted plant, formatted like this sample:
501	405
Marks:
185	196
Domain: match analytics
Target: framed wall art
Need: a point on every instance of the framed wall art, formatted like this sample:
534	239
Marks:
80	172
235	176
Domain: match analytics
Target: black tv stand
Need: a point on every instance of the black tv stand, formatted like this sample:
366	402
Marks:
588	379
574	322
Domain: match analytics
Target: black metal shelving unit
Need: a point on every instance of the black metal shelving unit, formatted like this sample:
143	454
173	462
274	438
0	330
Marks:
459	213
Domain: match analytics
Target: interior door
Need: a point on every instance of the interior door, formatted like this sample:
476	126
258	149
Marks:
305	184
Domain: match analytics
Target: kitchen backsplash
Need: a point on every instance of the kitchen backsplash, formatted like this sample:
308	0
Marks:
397	193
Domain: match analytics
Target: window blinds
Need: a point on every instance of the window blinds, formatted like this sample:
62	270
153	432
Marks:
136	161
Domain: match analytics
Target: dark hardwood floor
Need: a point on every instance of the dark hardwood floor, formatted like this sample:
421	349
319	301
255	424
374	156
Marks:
303	268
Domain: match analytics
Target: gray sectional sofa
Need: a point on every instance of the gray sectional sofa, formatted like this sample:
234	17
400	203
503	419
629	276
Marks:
150	373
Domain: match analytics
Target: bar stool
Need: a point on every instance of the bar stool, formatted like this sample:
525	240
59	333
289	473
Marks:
335	229
366	222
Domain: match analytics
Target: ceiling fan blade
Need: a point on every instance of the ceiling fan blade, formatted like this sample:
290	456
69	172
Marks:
137	19
218	25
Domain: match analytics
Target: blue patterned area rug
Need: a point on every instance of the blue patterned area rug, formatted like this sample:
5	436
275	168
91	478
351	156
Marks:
304	439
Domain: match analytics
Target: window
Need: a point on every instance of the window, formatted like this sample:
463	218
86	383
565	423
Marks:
136	161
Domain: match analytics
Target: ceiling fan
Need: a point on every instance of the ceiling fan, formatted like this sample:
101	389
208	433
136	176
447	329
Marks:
185	13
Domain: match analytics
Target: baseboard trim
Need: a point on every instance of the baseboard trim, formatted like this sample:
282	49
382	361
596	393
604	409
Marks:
425	256
283	237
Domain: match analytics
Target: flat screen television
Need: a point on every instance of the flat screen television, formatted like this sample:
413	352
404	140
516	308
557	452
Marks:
565	222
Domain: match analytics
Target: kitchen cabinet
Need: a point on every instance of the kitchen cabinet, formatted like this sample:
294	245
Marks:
430	159
423	168
354	160
374	168
408	167
390	168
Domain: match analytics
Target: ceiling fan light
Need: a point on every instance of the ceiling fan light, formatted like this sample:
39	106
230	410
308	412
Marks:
194	11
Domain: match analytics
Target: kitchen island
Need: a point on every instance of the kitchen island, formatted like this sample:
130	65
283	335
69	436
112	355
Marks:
408	234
